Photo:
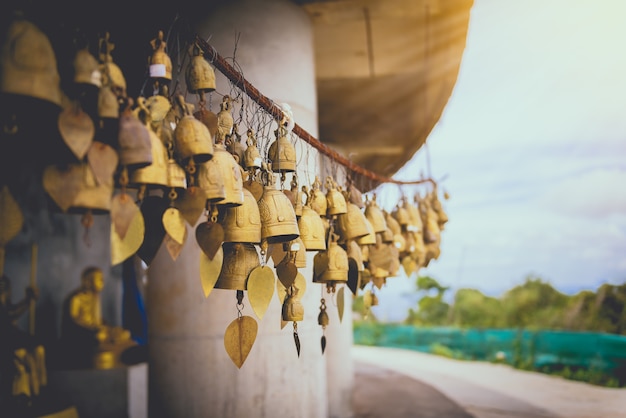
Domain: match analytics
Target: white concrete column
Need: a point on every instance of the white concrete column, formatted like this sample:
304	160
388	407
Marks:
190	373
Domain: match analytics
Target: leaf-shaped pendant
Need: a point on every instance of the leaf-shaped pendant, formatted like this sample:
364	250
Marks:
340	302
122	248
103	160
260	289
210	270
210	236
286	272
174	225
77	130
239	338
12	218
323	343
123	210
173	248
191	204
296	339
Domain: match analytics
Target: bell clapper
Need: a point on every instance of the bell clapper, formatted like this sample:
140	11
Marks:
296	339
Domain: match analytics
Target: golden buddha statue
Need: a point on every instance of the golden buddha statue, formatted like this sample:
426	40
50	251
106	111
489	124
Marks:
87	342
22	356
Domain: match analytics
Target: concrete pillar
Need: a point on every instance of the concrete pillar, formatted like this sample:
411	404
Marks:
190	373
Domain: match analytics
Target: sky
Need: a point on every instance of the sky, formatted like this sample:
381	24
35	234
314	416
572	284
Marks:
532	150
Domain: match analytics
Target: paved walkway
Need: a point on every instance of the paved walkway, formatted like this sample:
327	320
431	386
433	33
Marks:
395	383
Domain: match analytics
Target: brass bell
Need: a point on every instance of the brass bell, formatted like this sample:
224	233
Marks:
375	215
278	219
351	225
442	217
111	74
251	156
317	200
312	230
322	318
336	202
225	120
387	236
160	62
239	261
243	223
159	108
298	247
155	174
176	177
282	153
331	266
234	145
370	238
415	218
231	176
211	181
86	69
108	106
28	65
432	233
354	252
192	137
293	310
135	141
355	196
401	215
392	224
200	77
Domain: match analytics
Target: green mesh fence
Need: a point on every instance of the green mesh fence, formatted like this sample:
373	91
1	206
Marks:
539	349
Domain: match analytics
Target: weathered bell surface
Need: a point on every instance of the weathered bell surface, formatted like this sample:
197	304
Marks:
251	156
370	238
225	120
243	223
155	174
160	62
336	202
239	261
111	74
331	265
375	215
282	153
135	141
28	65
192	138
231	176
176	177
312	230
159	106
317	199
86	69
108	106
352	225
354	251
92	195
200	76
278	219
293	310
322	318
210	180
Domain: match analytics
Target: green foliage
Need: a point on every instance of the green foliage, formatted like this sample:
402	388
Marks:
473	309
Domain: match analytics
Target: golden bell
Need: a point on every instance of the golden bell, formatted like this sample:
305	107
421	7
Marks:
387	236
312	230
375	215
298	247
135	141
192	138
331	265
354	251
351	225
160	62
401	215
234	145
92	195
370	238
86	69
282	153
432	233
317	200
225	120
231	176
336	202
239	261
442	217
155	174
251	156
355	196
111	74
28	65
210	180
278	219
293	310
200	76
415	219
176	177
108	106
243	223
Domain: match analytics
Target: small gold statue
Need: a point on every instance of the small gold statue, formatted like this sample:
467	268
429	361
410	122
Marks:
86	341
22	357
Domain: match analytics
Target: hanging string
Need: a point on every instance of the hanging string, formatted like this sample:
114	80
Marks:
277	113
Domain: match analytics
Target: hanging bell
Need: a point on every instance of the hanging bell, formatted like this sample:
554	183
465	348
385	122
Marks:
355	196
317	200
112	75
336	202
160	62
331	266
278	219
200	77
108	106
176	177
375	215
134	141
352	225
298	247
234	146
86	69
442	217
28	65
231	174
211	181
251	156
432	233
354	252
239	261
192	137
155	174
159	107
312	230
243	223
225	120
282	153
293	310
370	238
415	218
401	215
